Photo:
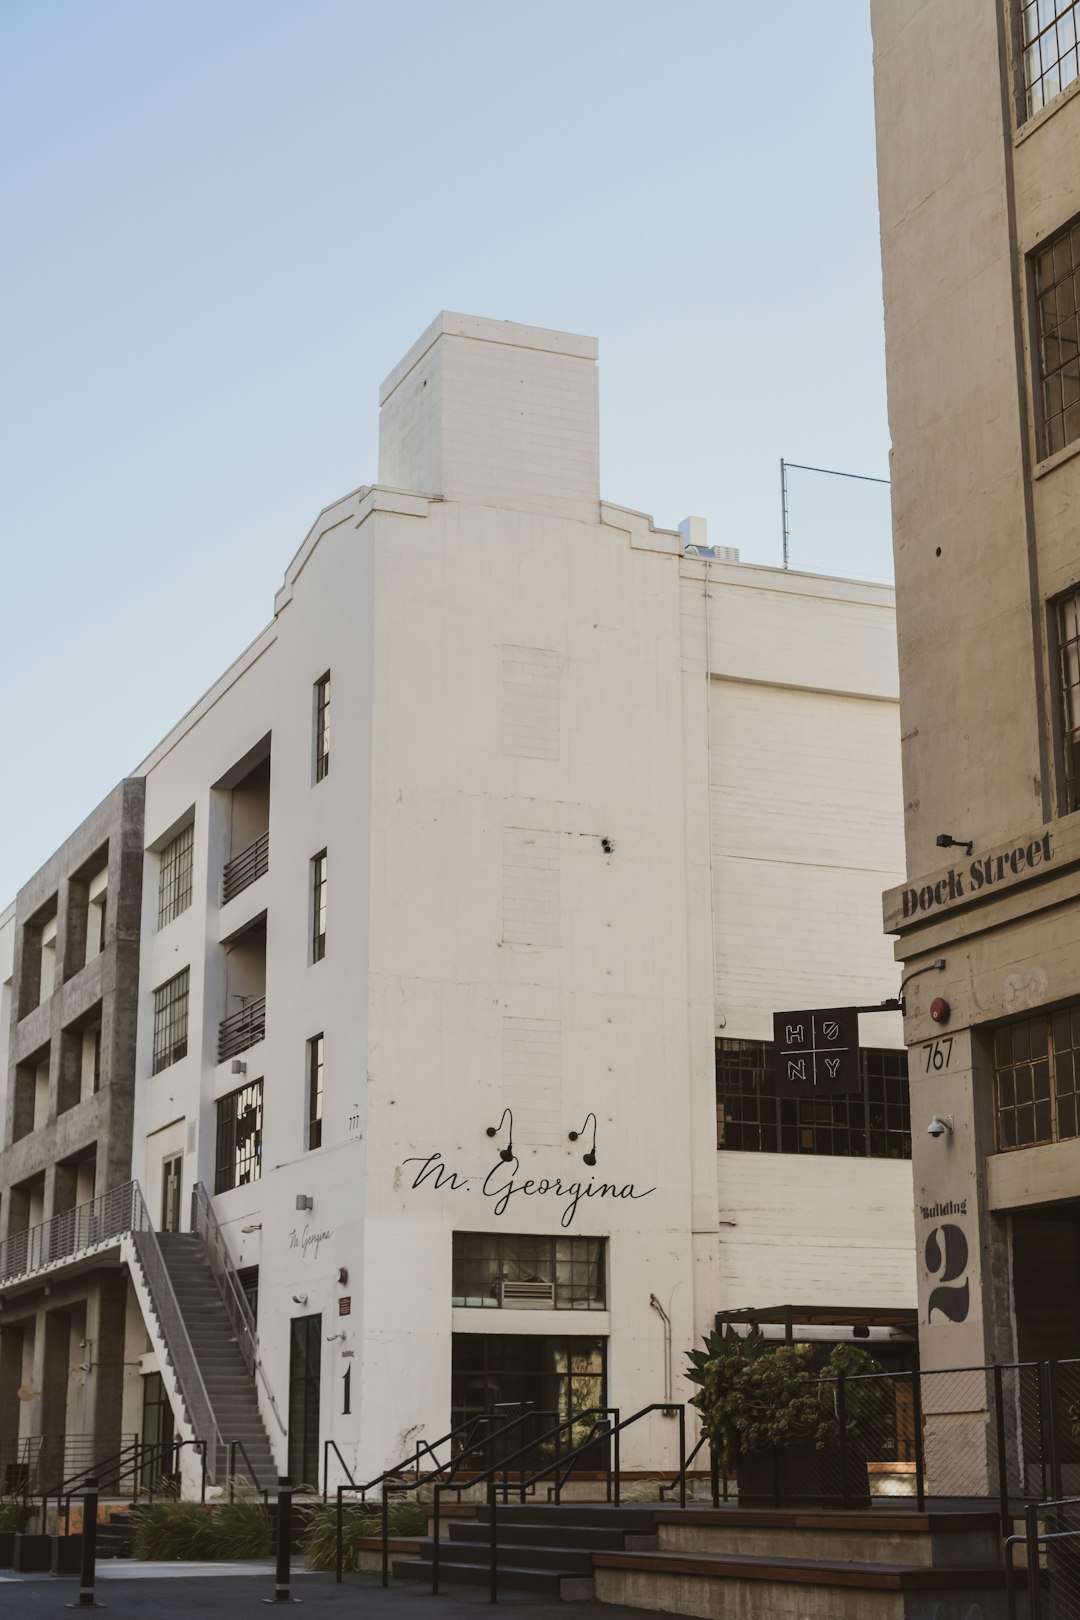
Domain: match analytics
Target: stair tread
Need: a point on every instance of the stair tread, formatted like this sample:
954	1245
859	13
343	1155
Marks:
806	1571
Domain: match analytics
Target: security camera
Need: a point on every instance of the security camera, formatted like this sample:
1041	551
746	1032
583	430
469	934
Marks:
940	1125
299	1299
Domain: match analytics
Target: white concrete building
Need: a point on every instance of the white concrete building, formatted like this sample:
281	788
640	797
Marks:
470	892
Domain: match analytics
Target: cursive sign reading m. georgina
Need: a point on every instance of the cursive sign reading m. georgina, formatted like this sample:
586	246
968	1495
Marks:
501	1185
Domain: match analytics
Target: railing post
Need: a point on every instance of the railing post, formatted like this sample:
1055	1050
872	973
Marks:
88	1570
1002	1454
339	1551
916	1420
283	1574
1034	1584
232	1469
1055	1439
493	1499
386	1535
841	1417
775	1477
682	1456
714	1475
437	1500
618	1462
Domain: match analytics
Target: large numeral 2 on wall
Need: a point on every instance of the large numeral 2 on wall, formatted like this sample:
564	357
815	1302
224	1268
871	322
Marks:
946	1256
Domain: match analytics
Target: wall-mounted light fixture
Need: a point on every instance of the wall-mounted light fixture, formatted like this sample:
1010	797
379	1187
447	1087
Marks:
493	1130
330	1337
299	1299
238	1066
256	1226
590	1157
947	841
342	1276
305	1201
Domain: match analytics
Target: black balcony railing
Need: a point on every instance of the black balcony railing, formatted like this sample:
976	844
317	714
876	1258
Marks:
242	1029
244	868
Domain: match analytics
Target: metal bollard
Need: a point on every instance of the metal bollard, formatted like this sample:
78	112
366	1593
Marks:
284	1545
88	1571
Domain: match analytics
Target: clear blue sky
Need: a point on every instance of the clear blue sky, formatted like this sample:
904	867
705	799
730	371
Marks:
224	222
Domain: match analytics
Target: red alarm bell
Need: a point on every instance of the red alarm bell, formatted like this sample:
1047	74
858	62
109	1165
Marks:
940	1010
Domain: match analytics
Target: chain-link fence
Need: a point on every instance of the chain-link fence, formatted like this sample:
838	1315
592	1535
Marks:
836	523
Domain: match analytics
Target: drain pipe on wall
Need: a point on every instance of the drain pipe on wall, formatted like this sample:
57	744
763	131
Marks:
659	1309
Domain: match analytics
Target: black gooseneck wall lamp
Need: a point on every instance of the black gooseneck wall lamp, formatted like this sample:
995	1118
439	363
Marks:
590	1157
493	1130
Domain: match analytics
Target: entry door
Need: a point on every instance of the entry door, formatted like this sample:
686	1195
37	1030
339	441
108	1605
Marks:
170	1193
305	1358
157	1434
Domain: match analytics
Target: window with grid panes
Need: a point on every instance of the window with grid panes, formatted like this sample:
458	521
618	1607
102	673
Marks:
239	1138
1057	293
1049	40
171	1021
750	1118
482	1260
174	878
1037	1079
318	907
314	1092
1068	646
322	727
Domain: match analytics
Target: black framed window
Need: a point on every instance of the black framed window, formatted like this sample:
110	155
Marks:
1067	629
750	1118
171	1021
551	1374
493	1269
1057	294
174	878
1037	1079
314	1091
239	1138
318	907
1049	43
322	727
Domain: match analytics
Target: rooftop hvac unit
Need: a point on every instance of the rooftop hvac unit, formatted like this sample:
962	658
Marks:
527	1296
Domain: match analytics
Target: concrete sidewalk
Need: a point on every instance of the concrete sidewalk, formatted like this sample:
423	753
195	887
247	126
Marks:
133	1591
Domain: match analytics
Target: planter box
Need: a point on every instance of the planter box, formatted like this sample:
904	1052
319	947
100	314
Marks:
7	1549
805	1477
33	1555
66	1555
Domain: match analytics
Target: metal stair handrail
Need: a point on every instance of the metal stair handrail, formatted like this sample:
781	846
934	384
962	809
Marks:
174	1331
205	1225
102	1219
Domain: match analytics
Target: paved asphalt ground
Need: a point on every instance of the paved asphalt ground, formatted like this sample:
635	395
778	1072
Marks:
131	1591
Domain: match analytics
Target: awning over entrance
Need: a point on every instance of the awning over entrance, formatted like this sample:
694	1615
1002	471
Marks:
850	1317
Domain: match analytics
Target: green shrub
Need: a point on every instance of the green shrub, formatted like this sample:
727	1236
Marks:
358	1519
189	1530
13	1511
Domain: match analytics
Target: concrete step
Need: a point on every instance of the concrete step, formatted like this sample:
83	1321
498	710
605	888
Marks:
564	1560
590	1537
520	1578
940	1540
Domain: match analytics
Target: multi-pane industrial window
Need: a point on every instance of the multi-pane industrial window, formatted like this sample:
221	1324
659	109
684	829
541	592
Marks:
1037	1079
496	1268
314	1091
1057	293
318	907
750	1118
1068	646
1049	30
174	886
322	727
239	1138
170	1021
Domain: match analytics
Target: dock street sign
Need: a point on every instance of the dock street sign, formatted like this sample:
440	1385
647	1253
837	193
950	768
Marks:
816	1053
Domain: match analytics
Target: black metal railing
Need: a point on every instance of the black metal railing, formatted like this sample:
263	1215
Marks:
242	1029
244	869
526	1481
102	1220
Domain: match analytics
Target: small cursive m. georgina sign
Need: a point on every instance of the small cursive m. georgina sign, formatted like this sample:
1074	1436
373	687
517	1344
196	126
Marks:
502	1185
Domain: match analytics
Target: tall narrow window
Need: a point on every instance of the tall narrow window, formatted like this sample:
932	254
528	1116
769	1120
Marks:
322	727
1057	288
318	907
314	1092
1068	644
239	1138
174	885
171	1021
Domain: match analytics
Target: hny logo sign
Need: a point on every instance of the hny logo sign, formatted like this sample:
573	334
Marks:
816	1053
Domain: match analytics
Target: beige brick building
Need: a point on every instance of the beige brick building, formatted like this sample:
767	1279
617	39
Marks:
978	109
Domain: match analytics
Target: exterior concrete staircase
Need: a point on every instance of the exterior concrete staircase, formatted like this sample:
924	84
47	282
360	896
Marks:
228	1384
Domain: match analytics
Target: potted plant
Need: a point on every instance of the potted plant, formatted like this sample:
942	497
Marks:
771	1417
13	1515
